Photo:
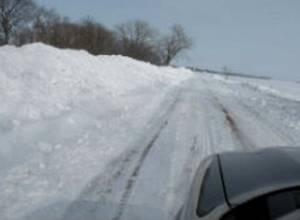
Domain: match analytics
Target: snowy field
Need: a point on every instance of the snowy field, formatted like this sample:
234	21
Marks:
108	137
284	89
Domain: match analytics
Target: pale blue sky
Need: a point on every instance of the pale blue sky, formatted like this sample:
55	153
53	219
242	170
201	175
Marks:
251	36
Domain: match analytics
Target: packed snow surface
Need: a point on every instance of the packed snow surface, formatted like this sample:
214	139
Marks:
108	137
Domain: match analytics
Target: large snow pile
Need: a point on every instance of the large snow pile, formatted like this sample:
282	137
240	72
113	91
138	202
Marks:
39	80
64	115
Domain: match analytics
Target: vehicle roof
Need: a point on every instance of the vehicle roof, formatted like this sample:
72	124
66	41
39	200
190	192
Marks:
250	174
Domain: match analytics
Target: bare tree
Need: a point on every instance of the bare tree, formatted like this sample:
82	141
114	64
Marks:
14	13
94	37
174	44
41	28
137	40
138	32
44	23
50	28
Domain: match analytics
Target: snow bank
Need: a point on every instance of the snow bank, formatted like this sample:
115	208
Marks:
64	116
38	80
279	91
284	89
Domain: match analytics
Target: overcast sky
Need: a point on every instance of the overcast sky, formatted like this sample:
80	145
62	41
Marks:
259	37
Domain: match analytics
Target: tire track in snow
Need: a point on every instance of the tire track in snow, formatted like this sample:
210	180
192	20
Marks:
236	131
98	189
237	106
134	175
194	144
286	137
136	171
117	171
116	174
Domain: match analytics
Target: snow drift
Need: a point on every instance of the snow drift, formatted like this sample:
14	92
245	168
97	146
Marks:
39	80
64	115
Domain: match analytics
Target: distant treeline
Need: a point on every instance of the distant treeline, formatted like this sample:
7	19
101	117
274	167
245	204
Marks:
226	73
24	21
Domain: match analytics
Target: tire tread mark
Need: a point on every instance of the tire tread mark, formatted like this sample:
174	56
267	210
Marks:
136	171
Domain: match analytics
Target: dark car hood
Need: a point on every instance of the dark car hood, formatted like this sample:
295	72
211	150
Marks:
247	175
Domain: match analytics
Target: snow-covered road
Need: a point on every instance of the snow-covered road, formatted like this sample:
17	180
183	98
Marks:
204	117
87	137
